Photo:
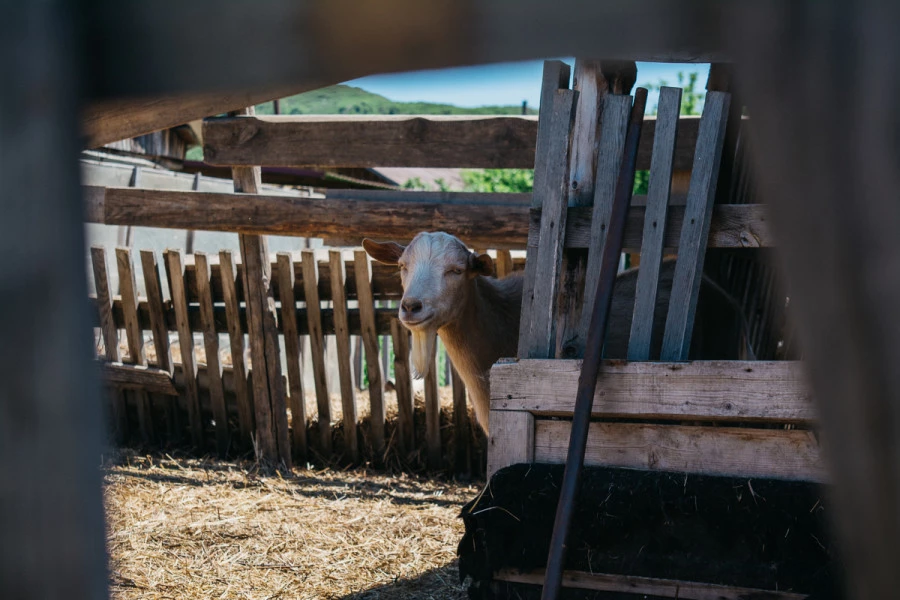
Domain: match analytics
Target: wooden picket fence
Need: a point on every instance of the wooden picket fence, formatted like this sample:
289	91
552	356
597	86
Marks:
161	394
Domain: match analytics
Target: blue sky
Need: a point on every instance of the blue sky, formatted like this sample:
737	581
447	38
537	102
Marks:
499	84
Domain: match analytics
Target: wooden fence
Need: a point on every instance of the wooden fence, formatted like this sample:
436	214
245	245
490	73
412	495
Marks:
162	394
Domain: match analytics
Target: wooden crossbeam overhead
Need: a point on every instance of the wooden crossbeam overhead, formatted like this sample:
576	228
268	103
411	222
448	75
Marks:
113	120
144	50
399	141
488	225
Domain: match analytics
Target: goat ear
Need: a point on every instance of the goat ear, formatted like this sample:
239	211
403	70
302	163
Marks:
388	252
481	264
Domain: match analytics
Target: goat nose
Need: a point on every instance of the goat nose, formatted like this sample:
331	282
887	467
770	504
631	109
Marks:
411	305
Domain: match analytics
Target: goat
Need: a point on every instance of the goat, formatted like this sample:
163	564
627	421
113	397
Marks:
450	291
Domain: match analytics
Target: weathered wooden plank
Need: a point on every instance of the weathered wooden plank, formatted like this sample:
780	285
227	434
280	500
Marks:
731	451
695	229
471	141
317	347
138	377
159	330
403	386
370	340
433	414
128	288
112	120
536	337
134	336
616	113
647	586
236	337
555	77
591	86
324	41
371	141
156	308
273	441
504	264
110	334
105	304
342	340
511	440
186	345
654	223
498	226
296	397
462	461
701	390
211	345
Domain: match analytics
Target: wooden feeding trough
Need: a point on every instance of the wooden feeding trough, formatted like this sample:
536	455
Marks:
662	427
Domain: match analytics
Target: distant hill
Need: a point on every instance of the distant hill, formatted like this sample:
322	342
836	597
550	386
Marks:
348	100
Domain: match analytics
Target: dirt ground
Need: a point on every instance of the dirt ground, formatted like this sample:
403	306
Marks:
188	528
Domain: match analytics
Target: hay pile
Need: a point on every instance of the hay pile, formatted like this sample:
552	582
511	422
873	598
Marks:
187	528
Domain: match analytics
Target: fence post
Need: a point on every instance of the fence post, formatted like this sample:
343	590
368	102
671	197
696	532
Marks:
268	385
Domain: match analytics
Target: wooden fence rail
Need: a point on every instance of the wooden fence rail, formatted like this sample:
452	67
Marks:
489	142
204	392
501	222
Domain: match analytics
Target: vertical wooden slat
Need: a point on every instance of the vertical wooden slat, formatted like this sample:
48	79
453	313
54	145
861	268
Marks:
342	340
616	112
536	337
160	331
403	386
128	287
317	346
134	336
211	344
296	397
268	385
432	413
555	77
695	230
591	84
370	340
511	439
504	264
462	450
661	163
110	337
186	343
155	304
236	337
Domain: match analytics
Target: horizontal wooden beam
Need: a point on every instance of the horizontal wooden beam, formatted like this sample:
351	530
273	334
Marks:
113	120
700	390
153	49
149	379
498	226
731	451
648	586
489	142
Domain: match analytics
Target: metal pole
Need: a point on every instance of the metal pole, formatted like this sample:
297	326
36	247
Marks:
587	381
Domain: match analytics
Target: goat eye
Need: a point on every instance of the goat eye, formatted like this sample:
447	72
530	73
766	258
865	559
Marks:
454	271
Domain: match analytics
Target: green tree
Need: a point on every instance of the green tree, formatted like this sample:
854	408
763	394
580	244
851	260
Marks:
498	180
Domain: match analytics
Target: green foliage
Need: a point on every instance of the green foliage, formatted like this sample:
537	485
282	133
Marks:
414	184
498	180
641	182
348	100
692	99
